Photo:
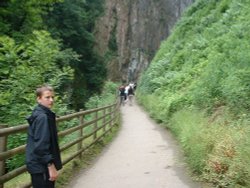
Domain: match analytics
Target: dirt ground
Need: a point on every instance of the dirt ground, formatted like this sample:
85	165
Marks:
143	155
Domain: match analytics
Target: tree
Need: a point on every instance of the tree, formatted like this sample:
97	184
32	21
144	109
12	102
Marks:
73	22
23	68
20	17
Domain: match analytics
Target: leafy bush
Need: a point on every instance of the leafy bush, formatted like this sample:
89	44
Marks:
204	65
25	66
188	126
35	49
33	63
214	150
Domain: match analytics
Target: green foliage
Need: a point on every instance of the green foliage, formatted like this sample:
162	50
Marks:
24	68
149	103
51	42
189	129
215	151
8	55
74	24
20	17
207	64
204	65
228	165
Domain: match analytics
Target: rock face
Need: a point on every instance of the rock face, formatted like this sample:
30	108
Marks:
130	32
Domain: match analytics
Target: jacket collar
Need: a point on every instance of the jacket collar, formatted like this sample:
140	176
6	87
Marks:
44	108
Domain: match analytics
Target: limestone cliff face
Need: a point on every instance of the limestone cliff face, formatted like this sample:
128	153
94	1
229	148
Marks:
130	32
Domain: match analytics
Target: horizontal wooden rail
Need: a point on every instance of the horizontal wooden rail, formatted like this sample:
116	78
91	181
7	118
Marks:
12	130
85	148
99	120
22	128
8	176
8	154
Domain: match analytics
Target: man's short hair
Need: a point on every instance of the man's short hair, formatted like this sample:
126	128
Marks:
43	88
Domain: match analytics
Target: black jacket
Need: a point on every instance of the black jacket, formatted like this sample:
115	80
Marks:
42	143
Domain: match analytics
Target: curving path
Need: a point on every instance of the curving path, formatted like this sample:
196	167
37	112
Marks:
143	155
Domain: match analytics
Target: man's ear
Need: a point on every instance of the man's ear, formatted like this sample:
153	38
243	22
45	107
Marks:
38	99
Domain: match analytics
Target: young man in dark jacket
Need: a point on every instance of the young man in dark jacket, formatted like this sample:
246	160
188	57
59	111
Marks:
42	151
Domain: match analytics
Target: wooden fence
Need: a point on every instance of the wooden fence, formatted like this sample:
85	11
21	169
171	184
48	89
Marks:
85	128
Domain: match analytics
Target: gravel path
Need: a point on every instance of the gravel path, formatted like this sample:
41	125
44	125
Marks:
143	155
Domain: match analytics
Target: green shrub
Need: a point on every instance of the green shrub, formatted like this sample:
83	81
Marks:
216	151
189	128
204	65
228	163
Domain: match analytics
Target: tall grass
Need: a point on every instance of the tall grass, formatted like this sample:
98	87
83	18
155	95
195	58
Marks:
189	127
216	147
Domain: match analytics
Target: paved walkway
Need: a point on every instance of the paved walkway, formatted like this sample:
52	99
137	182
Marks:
143	155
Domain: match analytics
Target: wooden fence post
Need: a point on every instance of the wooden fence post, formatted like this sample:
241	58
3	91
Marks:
3	145
104	119
111	116
79	147
118	111
96	124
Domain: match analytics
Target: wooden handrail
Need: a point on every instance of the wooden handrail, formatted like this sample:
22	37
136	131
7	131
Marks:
12	130
21	128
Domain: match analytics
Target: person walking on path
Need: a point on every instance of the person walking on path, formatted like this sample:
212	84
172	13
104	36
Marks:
126	92
122	95
43	158
131	94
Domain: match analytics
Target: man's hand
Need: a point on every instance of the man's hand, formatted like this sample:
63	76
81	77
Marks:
53	174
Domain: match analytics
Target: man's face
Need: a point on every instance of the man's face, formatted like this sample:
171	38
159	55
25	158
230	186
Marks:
46	99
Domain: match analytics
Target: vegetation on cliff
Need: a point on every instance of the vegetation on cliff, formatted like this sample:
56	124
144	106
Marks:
198	86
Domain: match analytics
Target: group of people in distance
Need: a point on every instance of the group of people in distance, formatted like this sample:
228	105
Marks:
126	93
